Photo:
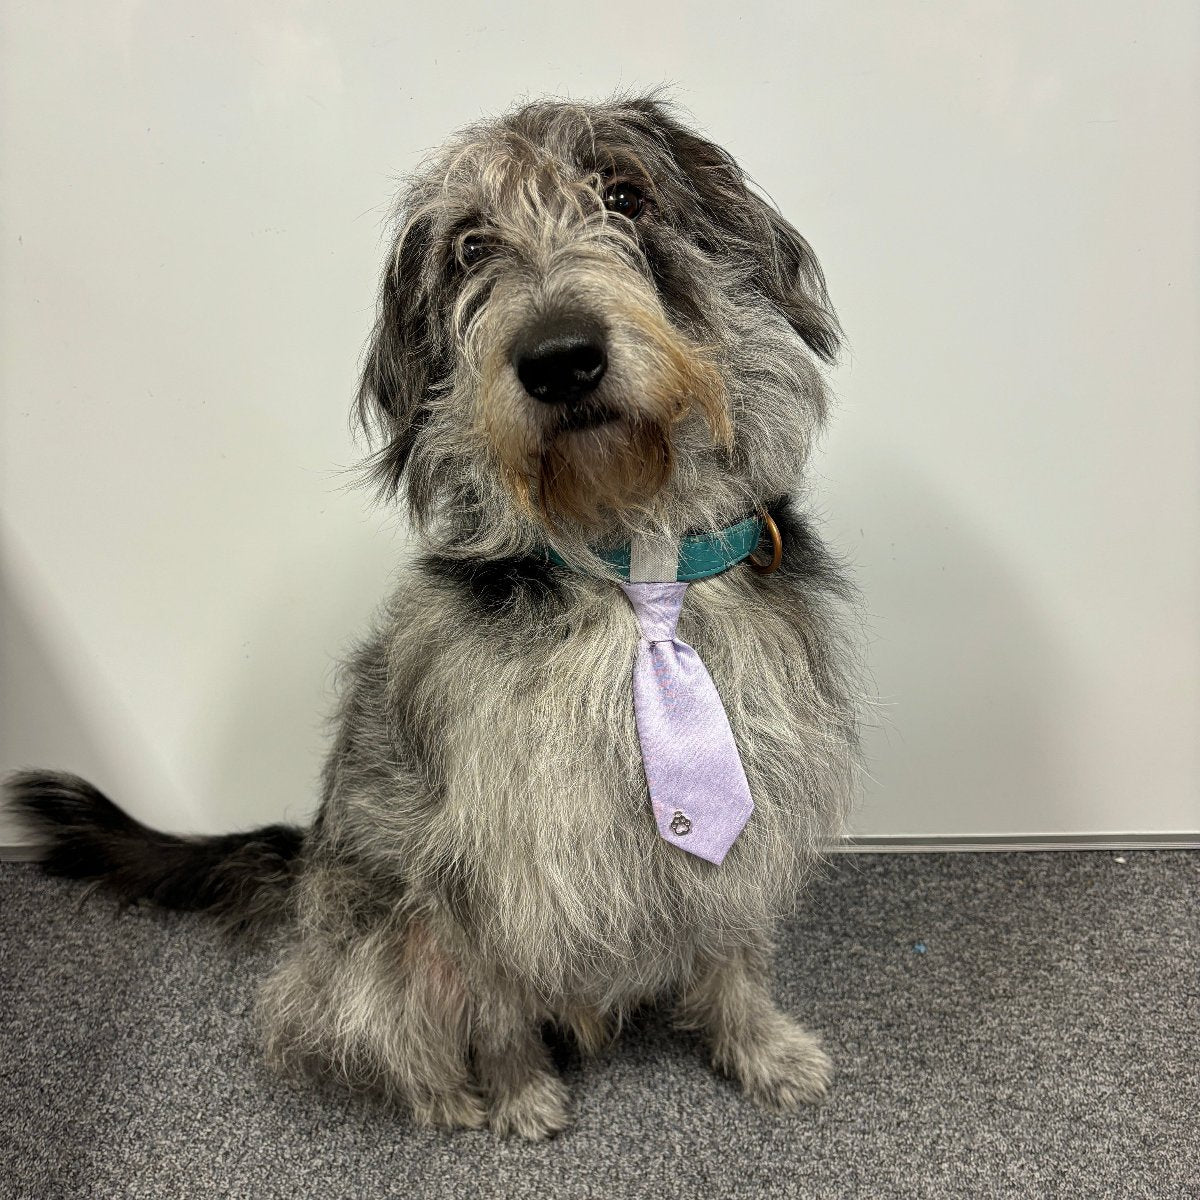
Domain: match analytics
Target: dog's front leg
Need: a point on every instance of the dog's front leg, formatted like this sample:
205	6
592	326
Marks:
778	1062
524	1094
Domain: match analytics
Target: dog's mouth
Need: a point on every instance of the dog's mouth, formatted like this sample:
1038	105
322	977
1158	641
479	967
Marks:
585	414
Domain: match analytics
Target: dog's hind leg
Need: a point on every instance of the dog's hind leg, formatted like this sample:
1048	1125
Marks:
776	1060
524	1093
386	1010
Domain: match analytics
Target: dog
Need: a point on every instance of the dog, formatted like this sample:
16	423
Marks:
591	334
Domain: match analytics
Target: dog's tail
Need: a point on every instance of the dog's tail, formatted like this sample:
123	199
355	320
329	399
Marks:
241	878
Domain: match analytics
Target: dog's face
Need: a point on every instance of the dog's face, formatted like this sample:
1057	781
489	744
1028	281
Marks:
590	324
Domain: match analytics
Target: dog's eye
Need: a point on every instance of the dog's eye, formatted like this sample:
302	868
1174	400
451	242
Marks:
474	248
626	199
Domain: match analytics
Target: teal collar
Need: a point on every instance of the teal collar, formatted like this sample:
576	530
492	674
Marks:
701	555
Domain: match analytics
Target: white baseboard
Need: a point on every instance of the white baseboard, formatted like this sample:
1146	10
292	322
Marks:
935	844
957	843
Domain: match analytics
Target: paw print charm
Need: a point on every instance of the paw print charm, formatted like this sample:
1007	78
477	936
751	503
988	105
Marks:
680	825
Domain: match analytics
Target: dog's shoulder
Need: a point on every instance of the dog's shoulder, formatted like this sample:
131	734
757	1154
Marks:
493	587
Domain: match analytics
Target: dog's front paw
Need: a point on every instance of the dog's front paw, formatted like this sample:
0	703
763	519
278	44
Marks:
781	1068
539	1107
459	1108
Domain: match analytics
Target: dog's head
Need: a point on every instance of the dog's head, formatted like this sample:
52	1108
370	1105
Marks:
589	323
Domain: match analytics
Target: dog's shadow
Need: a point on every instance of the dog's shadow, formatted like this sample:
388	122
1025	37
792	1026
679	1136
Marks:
274	727
647	1030
56	706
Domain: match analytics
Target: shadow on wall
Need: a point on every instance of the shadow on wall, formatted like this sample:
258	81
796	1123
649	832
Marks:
975	689
257	738
46	719
270	728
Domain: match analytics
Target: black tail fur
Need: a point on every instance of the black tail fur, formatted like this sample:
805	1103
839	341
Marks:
242	878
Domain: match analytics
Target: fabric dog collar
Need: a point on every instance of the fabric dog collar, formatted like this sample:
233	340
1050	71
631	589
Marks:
699	556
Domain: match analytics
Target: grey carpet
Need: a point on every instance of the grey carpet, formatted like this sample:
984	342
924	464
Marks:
1044	1043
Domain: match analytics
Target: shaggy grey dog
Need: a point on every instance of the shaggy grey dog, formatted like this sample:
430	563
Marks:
590	330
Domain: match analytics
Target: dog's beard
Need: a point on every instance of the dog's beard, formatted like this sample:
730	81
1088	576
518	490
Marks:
618	466
560	472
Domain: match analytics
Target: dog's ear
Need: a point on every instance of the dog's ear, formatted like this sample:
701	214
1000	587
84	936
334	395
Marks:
727	217
792	278
399	364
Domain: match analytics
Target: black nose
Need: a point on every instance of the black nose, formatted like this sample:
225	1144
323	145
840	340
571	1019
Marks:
560	361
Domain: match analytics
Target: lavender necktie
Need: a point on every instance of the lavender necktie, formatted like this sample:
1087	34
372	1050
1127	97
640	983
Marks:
697	785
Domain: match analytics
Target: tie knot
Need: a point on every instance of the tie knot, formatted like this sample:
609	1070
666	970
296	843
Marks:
657	608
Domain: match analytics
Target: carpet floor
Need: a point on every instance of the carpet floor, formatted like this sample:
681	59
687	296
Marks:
1002	1024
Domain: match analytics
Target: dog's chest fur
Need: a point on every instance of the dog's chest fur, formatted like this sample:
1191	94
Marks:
523	804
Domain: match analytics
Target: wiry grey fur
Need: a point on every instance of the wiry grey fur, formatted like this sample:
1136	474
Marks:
485	859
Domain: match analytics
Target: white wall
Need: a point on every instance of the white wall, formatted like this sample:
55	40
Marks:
1005	199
